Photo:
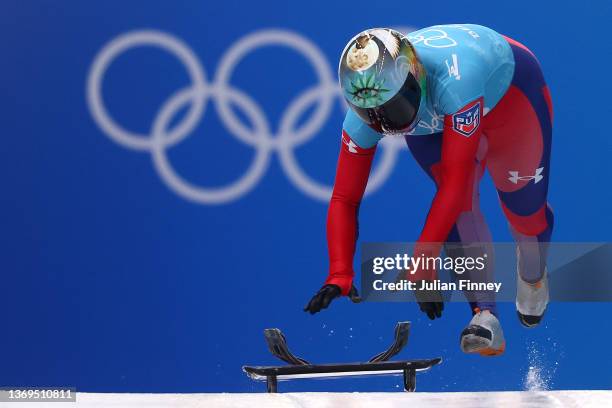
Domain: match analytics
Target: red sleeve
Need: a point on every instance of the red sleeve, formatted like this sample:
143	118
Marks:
352	174
460	139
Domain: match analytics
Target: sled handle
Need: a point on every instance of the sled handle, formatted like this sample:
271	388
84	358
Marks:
277	344
402	332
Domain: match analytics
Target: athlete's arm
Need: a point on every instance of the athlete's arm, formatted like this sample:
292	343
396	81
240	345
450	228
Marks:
354	164
357	148
352	173
454	177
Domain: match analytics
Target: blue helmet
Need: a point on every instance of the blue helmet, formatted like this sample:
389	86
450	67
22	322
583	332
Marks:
382	80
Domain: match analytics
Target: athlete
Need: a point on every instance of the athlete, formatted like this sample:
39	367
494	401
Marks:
465	99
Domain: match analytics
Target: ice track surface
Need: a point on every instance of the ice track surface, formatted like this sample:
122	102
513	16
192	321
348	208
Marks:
344	400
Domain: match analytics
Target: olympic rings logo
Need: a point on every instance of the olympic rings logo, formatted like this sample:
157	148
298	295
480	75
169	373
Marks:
226	98
434	38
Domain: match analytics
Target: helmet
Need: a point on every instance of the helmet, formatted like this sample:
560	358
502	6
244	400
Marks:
382	80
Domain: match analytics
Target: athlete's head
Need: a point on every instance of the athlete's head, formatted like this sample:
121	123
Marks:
382	80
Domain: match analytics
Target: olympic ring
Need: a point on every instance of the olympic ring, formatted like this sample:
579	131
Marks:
226	98
433	41
111	51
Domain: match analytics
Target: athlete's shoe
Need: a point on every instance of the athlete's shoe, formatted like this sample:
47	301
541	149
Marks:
531	300
483	335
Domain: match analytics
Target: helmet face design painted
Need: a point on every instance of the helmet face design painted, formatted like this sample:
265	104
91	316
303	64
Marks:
382	80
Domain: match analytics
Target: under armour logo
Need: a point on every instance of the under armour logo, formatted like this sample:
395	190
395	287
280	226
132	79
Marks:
352	147
514	176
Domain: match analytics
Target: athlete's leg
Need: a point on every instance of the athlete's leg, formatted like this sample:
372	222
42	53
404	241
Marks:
519	131
471	226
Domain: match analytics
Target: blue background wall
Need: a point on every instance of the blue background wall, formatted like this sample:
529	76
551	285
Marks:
112	281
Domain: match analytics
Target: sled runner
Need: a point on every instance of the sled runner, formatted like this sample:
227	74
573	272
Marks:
300	368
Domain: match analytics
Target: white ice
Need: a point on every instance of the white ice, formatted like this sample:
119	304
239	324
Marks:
342	400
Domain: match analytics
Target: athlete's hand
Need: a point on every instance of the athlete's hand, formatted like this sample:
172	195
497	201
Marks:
322	298
430	301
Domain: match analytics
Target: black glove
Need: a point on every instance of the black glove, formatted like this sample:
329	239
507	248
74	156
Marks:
322	298
430	302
